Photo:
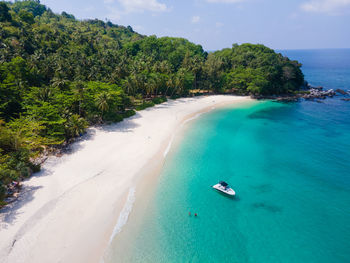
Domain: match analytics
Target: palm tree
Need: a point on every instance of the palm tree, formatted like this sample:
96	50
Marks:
196	68
150	86
79	89
75	126
180	81
102	101
130	85
169	84
58	82
45	93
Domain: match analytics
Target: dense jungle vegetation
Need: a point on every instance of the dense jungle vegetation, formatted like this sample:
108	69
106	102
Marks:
58	75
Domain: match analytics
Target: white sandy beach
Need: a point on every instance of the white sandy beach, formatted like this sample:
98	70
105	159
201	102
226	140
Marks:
68	211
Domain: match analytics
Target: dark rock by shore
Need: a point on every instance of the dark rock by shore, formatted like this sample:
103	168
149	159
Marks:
342	92
319	93
313	93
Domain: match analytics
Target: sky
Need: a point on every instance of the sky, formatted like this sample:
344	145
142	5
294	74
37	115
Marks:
217	24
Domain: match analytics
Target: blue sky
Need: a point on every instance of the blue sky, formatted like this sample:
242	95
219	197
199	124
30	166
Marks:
215	24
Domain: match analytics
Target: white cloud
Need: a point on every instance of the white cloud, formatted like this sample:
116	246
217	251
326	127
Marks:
332	7
142	5
219	24
195	19
225	1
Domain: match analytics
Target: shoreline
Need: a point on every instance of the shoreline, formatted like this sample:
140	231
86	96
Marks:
69	210
146	186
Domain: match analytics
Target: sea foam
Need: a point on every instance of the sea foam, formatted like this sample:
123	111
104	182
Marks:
124	214
173	136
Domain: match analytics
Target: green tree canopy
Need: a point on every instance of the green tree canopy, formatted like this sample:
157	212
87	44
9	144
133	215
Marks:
59	74
4	12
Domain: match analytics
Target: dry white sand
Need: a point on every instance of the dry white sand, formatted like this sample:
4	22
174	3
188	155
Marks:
68	211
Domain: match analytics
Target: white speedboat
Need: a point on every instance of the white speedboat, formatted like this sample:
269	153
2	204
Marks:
223	187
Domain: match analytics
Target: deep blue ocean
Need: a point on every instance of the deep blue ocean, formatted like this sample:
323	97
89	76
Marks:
289	164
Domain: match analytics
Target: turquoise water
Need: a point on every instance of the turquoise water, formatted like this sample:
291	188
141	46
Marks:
289	165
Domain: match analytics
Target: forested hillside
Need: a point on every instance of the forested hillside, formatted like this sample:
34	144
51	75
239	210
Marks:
59	74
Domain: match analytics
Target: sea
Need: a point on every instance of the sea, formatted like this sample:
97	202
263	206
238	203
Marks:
289	164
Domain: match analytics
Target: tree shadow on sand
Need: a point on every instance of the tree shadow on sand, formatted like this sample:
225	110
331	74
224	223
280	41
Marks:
127	125
9	213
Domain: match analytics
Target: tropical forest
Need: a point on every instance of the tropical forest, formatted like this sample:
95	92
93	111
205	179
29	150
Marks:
60	75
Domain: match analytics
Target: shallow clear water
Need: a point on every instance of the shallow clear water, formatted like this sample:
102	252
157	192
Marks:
289	165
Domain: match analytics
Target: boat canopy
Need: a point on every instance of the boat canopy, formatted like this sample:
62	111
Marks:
223	183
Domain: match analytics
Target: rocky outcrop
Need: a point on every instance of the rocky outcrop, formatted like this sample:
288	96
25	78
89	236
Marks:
288	99
342	92
315	93
307	92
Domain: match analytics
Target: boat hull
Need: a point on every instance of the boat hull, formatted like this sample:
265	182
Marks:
228	191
